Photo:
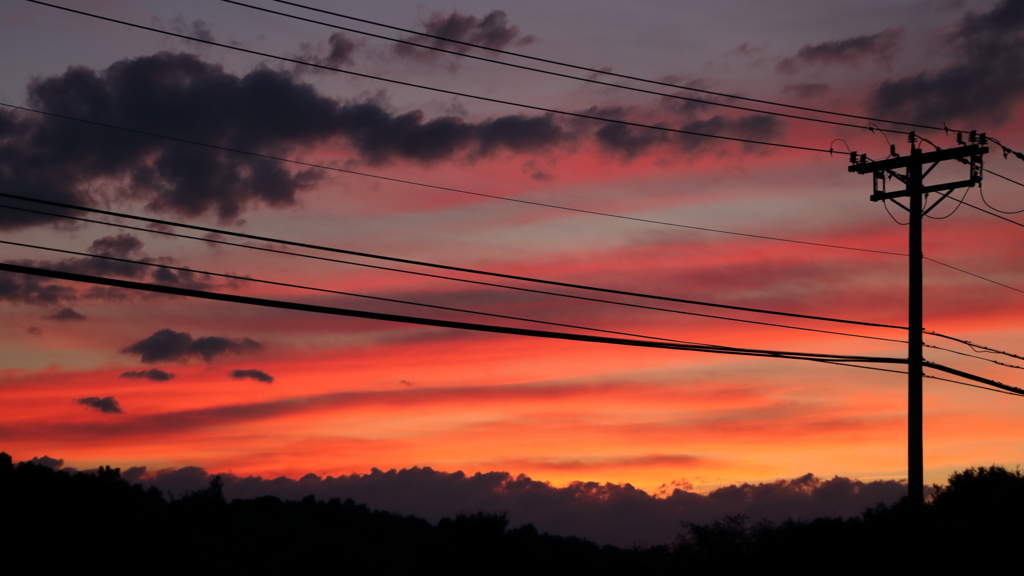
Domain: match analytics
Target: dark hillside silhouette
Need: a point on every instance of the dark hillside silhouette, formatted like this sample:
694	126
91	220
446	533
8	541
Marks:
93	522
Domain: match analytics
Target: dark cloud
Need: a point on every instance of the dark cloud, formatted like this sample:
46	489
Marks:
630	142
339	52
34	330
381	137
196	28
55	463
183	278
65	315
169	346
603	512
257	375
984	82
106	405
493	31
264	111
24	289
125	246
119	246
854	52
152	374
807	90
751	127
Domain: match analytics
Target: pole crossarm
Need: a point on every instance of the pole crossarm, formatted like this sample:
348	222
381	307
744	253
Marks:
922	158
948	187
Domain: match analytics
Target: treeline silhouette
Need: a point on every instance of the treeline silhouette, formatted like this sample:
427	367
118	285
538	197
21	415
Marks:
96	522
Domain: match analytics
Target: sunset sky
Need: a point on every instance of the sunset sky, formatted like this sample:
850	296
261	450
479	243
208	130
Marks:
100	376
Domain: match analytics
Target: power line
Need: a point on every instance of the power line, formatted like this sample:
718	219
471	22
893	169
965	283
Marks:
983	199
987	389
968	204
976	357
339	292
446	188
559	74
610	73
440	90
962	383
973	346
972	273
976	347
441	277
1004	178
483	195
278	304
283	305
969	376
444	266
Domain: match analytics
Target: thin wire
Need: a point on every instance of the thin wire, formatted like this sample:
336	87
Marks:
968	204
445	188
885	204
278	304
966	384
445	267
983	199
475	282
438	90
955	208
284	305
973	356
560	74
924	375
480	194
973	274
313	288
1004	178
612	74
969	376
491	196
973	346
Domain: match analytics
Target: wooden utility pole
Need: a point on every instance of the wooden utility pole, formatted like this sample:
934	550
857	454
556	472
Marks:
917	194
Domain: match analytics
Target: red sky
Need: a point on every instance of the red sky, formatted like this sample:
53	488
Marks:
351	395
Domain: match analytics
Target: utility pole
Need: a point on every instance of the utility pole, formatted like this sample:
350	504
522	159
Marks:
917	194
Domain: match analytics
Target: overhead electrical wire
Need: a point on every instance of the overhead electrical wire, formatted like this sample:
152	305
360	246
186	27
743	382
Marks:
483	195
459	94
278	304
1007	179
270	303
503	286
975	356
329	291
932	260
560	74
543	292
510	103
957	382
969	205
445	266
444	188
581	115
609	72
456	279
